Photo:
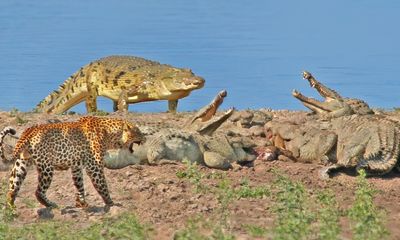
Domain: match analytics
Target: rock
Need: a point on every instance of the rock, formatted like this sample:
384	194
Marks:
257	131
260	118
115	210
45	213
162	187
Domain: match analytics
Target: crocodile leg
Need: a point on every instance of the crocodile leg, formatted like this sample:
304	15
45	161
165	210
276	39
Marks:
91	104
325	172
172	106
122	104
115	106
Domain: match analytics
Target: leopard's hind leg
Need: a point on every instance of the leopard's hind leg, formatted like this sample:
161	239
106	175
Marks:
77	177
17	176
45	175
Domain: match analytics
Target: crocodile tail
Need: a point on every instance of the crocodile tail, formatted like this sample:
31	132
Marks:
386	159
49	103
3	133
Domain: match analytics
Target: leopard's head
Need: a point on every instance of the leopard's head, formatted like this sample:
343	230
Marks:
130	136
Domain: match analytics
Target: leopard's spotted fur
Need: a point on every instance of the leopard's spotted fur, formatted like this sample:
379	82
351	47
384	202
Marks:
76	145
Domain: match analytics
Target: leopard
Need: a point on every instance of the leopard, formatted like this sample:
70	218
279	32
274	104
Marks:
76	145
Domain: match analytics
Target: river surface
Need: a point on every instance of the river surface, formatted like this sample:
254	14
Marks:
255	49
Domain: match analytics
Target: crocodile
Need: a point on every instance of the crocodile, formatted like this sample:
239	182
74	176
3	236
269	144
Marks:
124	80
369	142
305	142
193	143
334	105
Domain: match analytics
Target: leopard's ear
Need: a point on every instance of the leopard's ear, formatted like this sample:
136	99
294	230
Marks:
126	126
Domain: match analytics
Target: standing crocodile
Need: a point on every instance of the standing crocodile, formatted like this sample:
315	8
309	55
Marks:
124	80
333	105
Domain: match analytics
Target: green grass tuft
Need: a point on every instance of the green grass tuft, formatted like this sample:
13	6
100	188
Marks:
293	216
367	219
328	216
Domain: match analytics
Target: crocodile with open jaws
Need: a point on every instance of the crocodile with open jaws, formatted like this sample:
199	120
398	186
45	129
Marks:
351	138
333	105
124	80
194	143
369	142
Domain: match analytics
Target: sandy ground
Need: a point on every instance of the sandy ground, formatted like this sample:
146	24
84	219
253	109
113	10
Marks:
158	197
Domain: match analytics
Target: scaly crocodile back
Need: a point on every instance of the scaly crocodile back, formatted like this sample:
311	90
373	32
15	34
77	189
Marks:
359	106
129	63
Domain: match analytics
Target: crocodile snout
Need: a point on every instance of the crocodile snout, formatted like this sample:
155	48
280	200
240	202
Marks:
199	81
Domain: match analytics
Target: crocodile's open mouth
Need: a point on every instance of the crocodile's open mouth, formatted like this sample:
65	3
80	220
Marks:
210	127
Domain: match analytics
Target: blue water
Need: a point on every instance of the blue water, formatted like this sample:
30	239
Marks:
255	49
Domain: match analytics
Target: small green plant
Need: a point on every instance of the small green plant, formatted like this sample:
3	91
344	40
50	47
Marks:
367	219
100	113
14	112
30	203
192	172
293	216
6	214
125	226
199	229
191	231
328	216
219	234
255	231
245	191
225	195
20	120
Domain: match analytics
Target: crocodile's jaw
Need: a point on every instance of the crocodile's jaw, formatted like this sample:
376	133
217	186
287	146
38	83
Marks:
324	91
311	103
210	127
185	84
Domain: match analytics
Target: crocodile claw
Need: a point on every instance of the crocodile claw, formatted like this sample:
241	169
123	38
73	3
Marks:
324	173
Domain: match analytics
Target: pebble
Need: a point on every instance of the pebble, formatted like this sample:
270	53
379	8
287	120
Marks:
45	213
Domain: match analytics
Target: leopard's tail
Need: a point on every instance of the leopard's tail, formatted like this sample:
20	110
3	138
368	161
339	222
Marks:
3	133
